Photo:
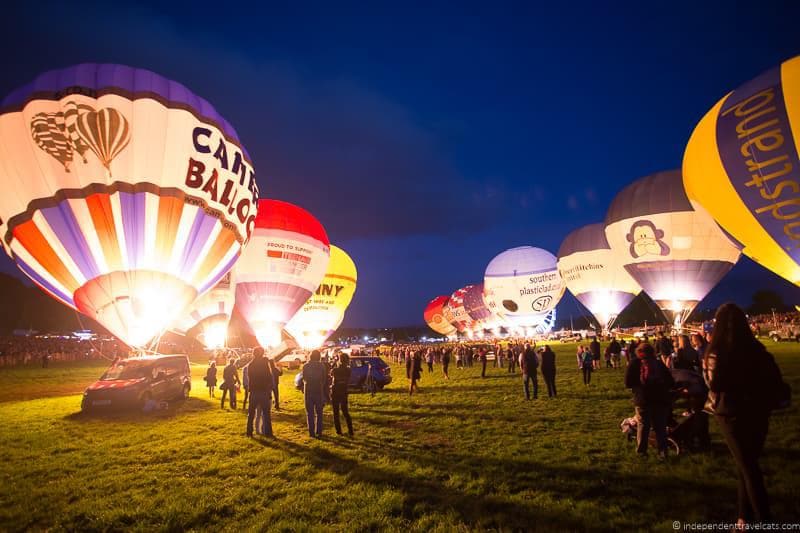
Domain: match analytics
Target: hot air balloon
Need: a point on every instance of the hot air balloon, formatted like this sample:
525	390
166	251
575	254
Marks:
742	166
207	317
477	309
670	246
523	284
126	196
282	265
456	313
324	311
434	317
595	275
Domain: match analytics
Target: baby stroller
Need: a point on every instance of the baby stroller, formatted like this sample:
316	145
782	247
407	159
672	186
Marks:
689	430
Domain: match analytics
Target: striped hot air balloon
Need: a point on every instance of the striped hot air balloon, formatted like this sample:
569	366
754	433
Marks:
434	316
670	246
105	131
281	267
132	251
49	133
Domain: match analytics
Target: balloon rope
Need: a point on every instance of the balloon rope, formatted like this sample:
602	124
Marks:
91	341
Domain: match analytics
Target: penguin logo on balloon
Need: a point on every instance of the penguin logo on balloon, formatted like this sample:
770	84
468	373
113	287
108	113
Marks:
81	128
646	239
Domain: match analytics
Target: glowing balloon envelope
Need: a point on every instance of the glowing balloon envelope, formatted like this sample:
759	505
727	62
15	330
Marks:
434	316
282	265
207	317
456	313
523	284
595	275
324	311
742	166
477	309
126	196
672	248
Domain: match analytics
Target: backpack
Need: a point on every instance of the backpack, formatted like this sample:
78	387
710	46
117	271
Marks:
651	375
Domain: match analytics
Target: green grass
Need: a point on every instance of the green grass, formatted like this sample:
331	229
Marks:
464	454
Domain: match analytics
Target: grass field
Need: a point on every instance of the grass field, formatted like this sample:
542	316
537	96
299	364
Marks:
464	454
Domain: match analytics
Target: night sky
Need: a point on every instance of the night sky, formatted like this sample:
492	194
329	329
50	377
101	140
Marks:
428	139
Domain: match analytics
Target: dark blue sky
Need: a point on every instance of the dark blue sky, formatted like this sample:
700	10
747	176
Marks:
428	138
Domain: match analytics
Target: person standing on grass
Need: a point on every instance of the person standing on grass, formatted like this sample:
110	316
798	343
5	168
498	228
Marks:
594	348
482	359
615	349
211	378
586	361
230	380
446	362
630	354
528	365
429	360
246	384
513	355
260	384
745	384
686	356
548	362
340	380
276	372
651	382
314	380
414	371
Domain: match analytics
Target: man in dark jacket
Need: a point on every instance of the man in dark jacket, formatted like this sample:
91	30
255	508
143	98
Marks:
615	350
651	384
548	359
261	383
528	366
594	348
230	379
314	379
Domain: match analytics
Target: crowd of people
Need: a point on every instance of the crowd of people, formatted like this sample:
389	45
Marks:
724	371
30	350
323	382
721	370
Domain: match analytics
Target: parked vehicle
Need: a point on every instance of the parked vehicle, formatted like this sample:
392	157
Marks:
131	383
362	367
787	332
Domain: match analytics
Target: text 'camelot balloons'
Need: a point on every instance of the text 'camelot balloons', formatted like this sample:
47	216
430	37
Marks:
126	195
596	275
282	265
742	166
671	247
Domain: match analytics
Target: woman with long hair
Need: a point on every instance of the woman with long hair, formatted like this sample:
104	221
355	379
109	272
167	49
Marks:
742	378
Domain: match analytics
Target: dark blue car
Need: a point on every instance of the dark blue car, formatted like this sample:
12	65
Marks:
360	367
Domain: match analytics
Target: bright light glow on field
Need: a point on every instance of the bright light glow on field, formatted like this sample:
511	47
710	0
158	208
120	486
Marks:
310	340
215	335
151	310
268	335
